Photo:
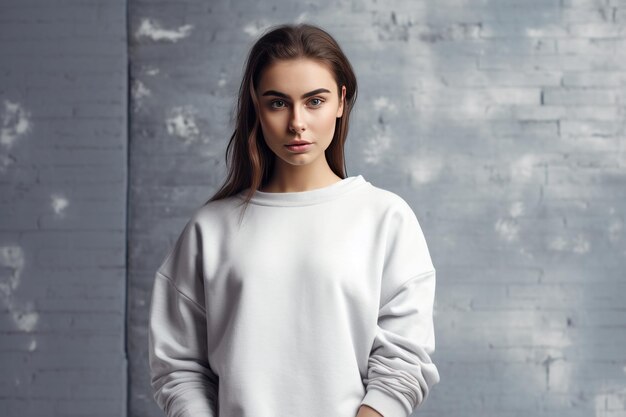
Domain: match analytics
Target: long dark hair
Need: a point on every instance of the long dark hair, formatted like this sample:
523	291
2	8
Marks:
249	160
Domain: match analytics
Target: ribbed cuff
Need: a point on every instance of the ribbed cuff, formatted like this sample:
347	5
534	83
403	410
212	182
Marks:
383	403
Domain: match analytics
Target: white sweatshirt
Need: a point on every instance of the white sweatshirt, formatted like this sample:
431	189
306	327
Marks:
318	302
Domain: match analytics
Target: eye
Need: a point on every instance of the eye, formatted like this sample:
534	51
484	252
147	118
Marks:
272	104
319	100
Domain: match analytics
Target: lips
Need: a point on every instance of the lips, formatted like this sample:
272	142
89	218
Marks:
299	147
298	142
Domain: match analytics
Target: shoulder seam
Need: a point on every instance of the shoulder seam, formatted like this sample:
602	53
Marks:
198	306
420	275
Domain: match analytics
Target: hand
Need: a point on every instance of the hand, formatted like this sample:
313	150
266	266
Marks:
367	411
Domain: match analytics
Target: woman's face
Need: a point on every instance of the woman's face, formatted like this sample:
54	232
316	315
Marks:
298	101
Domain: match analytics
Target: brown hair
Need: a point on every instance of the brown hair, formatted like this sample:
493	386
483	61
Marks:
249	160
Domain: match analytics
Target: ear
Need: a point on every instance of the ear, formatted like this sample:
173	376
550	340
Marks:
343	99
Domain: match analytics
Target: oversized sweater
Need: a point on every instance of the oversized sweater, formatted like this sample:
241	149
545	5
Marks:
316	302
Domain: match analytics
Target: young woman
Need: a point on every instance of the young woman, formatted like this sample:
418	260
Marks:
316	298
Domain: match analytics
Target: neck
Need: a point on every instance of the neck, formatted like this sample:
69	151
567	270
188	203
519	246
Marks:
299	178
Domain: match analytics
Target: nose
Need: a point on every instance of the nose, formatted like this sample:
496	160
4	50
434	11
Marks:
296	123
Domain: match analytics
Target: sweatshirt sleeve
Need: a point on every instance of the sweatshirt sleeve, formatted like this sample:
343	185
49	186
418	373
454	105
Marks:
182	380
400	371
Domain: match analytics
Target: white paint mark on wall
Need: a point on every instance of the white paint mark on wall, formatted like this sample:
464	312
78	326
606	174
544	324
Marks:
382	103
578	244
255	28
523	168
152	71
301	18
15	123
140	90
33	345
12	260
25	318
59	203
507	229
611	402
153	30
423	170
181	122
375	146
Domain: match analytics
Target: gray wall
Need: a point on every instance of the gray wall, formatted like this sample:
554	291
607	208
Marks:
501	122
63	205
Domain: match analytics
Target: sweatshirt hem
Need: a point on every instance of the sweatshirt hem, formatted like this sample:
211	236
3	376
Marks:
384	403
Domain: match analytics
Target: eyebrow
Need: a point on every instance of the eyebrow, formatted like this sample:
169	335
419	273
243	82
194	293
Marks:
305	95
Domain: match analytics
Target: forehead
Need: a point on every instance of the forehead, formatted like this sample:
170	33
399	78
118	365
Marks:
297	75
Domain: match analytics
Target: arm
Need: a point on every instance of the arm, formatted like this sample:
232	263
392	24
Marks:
400	371
182	380
367	411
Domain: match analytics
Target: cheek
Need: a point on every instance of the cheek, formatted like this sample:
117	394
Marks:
272	121
328	118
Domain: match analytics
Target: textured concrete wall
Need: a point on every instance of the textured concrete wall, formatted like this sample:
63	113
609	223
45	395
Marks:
63	150
501	122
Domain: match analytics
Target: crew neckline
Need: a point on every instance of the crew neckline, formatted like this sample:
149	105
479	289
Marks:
302	198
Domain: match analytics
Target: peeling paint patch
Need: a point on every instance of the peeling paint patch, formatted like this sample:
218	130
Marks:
12	259
140	90
578	244
15	123
59	203
153	30
25	319
181	122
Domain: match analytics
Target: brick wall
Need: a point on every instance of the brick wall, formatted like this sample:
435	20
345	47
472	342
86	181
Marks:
63	180
501	122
